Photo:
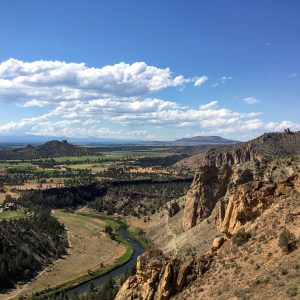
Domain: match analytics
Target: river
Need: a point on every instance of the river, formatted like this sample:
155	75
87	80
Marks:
138	250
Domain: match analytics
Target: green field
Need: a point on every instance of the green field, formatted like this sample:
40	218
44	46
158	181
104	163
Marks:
11	215
79	170
116	155
85	160
17	165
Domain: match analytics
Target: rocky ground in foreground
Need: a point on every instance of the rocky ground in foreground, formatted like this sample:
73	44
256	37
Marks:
237	236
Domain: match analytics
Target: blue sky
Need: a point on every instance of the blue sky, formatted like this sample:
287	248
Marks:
149	69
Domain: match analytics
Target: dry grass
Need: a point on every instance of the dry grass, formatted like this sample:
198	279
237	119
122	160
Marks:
2	197
143	170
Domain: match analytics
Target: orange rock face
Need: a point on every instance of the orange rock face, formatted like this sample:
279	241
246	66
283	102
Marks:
209	185
158	277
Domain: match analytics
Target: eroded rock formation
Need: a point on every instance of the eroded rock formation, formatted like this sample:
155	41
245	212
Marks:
209	185
248	201
236	189
159	277
232	196
267	146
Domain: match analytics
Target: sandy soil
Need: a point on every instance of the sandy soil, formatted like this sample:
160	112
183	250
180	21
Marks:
90	247
35	186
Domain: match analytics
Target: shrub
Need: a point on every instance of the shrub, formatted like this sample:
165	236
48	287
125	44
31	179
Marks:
109	230
292	291
287	241
241	237
245	176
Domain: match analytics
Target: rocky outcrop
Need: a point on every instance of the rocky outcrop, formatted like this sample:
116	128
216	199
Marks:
235	195
183	272
248	201
238	189
209	185
247	205
266	147
232	156
159	278
144	283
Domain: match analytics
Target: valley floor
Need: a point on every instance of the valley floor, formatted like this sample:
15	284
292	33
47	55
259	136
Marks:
90	249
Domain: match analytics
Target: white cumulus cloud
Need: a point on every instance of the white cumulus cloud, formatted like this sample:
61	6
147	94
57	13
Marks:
280	126
55	81
114	101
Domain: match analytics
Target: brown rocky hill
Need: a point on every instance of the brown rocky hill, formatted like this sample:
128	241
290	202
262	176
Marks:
268	146
47	150
237	236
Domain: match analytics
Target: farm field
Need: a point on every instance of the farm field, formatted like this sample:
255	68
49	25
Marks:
90	250
11	215
20	175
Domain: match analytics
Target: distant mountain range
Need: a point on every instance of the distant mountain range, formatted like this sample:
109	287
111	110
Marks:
36	147
205	140
36	139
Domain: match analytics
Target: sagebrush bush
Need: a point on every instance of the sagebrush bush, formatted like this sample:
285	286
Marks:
287	241
241	237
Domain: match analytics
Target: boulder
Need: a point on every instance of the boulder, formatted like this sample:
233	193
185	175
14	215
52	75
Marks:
217	243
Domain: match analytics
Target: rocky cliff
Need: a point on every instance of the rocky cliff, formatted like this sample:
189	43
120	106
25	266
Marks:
266	147
159	277
250	199
209	185
242	191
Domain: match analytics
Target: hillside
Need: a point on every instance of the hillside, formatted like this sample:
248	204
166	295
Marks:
50	149
28	244
266	147
235	234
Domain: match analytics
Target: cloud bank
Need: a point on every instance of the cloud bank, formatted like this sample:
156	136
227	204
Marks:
116	100
44	82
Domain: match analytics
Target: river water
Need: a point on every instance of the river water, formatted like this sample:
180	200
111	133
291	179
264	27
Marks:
138	250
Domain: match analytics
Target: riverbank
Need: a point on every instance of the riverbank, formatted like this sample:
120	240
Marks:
136	234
